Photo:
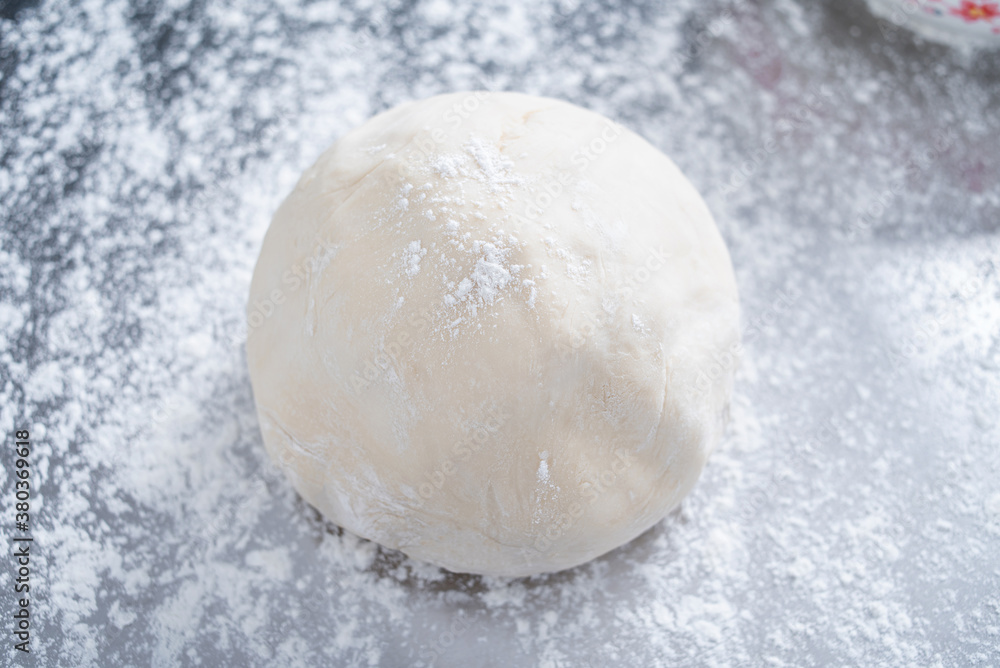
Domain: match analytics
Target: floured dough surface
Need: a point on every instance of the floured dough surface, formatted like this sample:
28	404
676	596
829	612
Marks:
494	331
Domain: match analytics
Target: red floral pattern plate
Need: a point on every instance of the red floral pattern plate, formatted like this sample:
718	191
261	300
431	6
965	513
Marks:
956	22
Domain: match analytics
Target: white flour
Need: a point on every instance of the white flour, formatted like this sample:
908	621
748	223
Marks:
850	518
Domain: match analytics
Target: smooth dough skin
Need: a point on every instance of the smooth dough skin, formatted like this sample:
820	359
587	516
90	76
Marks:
494	331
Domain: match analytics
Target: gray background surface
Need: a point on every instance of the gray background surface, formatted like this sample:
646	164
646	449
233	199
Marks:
852	517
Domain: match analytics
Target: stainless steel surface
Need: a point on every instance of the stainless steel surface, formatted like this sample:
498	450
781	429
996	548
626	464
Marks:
852	516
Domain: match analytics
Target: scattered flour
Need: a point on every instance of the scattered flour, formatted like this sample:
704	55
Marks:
414	253
145	148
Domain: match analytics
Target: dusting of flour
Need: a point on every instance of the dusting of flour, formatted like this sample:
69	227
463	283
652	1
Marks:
851	517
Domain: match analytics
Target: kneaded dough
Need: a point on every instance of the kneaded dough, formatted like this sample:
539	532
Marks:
494	331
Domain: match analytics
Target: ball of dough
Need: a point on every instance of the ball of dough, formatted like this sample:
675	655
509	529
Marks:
494	331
